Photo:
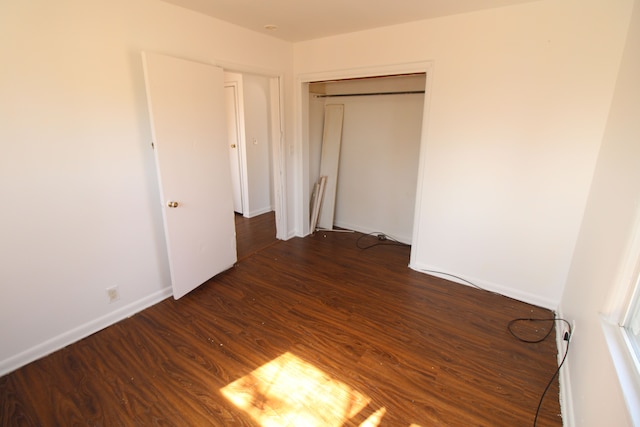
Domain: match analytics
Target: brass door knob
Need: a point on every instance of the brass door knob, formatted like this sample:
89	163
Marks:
172	204
233	145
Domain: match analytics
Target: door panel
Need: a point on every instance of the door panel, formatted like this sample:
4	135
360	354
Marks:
231	97
188	121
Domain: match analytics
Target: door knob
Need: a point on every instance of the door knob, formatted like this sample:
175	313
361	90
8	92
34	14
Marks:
233	145
172	204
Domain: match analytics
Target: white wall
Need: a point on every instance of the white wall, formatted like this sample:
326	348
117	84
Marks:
378	157
76	164
258	144
519	101
379	164
602	248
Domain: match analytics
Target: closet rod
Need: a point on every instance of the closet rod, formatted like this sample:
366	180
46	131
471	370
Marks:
371	94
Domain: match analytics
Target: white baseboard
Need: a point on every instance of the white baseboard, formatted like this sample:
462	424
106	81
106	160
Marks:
564	379
566	401
258	212
489	286
80	332
354	227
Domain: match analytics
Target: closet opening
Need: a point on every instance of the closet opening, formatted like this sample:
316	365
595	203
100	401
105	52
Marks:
377	161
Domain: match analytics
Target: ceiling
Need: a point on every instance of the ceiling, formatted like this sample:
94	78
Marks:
299	20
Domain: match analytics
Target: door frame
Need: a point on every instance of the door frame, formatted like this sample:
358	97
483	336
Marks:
279	156
278	143
302	132
241	153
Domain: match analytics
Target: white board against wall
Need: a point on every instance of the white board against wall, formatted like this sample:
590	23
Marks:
331	141
316	202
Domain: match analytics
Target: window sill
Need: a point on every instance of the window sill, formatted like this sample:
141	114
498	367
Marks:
625	367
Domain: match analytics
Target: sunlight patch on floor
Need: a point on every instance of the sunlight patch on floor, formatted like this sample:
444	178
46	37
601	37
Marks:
288	391
375	418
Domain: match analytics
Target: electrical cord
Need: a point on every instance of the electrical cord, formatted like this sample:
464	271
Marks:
566	337
382	240
459	278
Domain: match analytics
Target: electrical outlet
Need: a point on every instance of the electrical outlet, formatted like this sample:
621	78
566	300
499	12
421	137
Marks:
113	294
568	331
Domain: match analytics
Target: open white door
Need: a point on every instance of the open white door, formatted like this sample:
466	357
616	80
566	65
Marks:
233	138
188	122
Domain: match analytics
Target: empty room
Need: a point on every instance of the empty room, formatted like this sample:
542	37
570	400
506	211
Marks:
483	254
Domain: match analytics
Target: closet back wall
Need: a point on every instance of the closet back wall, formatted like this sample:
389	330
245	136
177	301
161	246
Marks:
378	160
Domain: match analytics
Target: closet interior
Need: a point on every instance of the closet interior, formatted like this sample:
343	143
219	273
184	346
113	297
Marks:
377	166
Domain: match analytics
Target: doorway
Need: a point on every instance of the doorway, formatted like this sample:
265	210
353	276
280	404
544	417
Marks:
187	102
235	137
256	146
250	149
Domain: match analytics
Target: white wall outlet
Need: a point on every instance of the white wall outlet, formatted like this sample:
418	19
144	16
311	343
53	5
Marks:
113	294
568	330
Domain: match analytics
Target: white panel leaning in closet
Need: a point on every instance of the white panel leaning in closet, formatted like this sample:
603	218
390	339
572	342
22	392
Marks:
331	141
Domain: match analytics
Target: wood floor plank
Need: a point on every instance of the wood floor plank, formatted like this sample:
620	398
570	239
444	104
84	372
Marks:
377	341
254	234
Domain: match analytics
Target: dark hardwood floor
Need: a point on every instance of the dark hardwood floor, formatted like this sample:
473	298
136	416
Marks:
307	332
254	234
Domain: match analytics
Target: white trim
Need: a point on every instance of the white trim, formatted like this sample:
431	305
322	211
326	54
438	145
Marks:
278	140
80	332
246	69
625	367
366	230
618	302
614	314
417	213
507	291
301	189
237	83
258	212
564	380
372	71
279	156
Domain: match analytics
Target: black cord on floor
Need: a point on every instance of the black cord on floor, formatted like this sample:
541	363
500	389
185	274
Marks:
566	337
382	240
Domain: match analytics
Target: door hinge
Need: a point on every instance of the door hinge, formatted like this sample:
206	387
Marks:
153	147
